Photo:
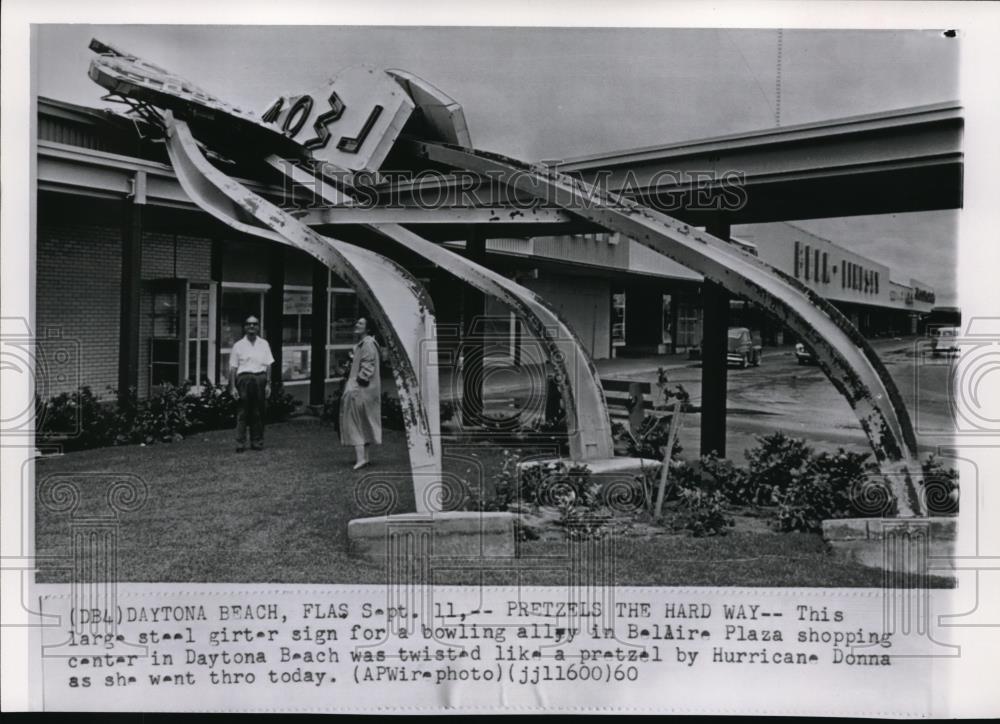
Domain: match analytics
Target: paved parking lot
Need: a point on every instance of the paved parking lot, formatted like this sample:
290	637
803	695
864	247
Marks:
780	394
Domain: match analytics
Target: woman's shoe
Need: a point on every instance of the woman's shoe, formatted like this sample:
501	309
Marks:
360	464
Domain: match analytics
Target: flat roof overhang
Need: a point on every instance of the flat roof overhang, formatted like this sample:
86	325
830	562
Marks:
900	161
894	162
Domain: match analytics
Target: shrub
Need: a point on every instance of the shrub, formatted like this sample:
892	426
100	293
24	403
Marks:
568	488
940	484
214	408
774	464
832	486
504	484
703	512
161	418
581	522
80	421
709	474
281	405
723	476
552	483
77	420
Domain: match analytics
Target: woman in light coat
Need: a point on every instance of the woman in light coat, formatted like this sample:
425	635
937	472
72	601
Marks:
361	404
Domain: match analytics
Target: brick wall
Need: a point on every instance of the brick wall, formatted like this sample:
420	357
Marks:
78	286
78	273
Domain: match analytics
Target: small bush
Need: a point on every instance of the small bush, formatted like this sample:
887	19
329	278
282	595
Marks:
80	421
703	512
710	473
840	485
723	476
281	405
697	494
504	484
940	485
550	484
161	418
568	488
77	420
774	464
214	408
580	522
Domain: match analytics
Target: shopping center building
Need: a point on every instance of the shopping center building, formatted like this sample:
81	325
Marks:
155	290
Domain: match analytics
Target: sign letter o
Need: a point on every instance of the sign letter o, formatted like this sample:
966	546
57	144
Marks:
297	116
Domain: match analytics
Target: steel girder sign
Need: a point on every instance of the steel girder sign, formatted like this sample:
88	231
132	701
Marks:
322	139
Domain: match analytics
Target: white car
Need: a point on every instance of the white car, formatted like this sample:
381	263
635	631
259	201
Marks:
944	340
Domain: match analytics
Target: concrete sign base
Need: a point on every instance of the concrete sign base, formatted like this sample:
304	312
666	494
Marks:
457	533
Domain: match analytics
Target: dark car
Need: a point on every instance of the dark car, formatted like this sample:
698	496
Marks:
805	354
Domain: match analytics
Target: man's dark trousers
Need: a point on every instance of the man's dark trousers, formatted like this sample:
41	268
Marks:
252	387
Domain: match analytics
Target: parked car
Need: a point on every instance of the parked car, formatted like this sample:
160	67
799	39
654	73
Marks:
944	340
744	347
805	354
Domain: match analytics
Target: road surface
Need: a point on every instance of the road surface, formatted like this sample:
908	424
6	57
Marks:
780	394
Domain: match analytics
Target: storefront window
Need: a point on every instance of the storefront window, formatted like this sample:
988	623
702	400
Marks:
689	318
618	319
296	334
667	322
344	312
343	315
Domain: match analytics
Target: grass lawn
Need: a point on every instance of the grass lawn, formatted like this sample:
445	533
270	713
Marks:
280	516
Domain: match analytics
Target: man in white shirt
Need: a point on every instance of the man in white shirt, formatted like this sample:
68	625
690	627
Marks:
250	383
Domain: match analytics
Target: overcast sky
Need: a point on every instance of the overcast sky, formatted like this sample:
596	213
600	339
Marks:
550	93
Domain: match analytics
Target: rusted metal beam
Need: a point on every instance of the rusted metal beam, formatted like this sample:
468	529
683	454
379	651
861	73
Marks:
340	215
843	354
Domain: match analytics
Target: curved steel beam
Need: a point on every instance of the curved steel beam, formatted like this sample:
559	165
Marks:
843	354
587	420
400	307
